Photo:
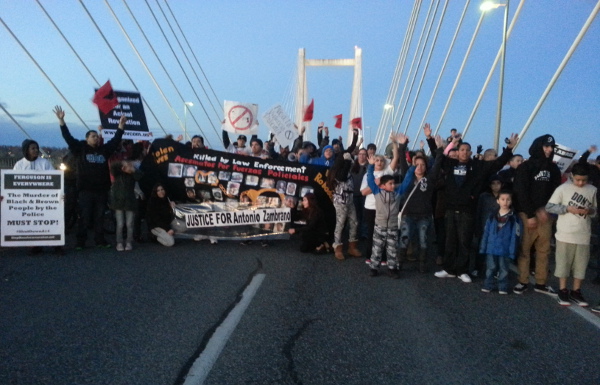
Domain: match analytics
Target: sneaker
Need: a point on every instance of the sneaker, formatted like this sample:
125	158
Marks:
394	273
563	297
119	247
483	289
368	261
502	292
444	274
520	288
465	278
103	245
246	243
128	247
383	263
596	309
213	241
545	289
373	273
475	273
577	297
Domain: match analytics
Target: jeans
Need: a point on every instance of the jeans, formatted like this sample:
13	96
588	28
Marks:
91	206
500	264
359	205
343	213
124	218
412	226
459	234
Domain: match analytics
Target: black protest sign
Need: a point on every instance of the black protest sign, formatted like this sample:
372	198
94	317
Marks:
132	107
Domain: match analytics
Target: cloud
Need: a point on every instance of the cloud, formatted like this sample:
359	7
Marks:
29	115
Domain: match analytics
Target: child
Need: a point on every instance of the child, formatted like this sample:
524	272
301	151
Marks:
575	203
123	200
499	242
487	205
387	205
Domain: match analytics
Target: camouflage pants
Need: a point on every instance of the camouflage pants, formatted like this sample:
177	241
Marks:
343	213
384	237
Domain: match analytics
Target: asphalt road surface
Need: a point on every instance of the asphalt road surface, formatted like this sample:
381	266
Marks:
145	317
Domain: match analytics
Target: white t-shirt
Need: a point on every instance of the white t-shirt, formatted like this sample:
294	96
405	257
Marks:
370	199
38	164
573	228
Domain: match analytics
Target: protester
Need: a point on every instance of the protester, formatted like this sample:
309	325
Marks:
31	158
123	200
93	177
239	147
381	168
575	204
507	176
417	214
314	233
463	178
159	215
500	243
387	202
341	182
358	171
535	181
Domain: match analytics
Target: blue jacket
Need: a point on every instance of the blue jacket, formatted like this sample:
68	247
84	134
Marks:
322	161
504	241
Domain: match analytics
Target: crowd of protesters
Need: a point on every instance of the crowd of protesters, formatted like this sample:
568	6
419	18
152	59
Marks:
473	214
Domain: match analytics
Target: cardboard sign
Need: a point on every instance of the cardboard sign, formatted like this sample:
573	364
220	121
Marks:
32	208
563	157
281	125
130	105
241	118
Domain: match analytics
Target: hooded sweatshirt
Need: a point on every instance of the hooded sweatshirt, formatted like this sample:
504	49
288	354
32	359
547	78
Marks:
92	162
32	164
537	178
322	161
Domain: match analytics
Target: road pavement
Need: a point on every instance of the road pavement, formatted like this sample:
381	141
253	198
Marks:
143	317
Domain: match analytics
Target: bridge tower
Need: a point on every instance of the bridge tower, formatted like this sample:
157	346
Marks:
302	90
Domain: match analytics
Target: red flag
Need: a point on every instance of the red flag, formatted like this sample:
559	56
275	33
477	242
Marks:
105	98
356	123
308	114
338	121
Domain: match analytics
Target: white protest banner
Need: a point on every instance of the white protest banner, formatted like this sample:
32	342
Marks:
32	208
281	125
241	118
237	218
563	157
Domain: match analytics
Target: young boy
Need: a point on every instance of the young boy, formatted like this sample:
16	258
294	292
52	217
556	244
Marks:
387	206
575	203
499	243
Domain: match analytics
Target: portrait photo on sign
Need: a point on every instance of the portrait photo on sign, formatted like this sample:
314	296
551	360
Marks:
190	170
251	180
201	177
224	175
305	190
238	177
291	188
212	178
175	170
233	188
281	186
290	201
189	182
205	196
273	202
218	194
267	183
279	227
261	200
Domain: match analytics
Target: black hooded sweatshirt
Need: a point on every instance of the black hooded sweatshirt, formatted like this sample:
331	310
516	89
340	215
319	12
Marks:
537	178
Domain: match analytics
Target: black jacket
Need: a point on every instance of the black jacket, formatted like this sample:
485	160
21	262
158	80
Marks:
536	179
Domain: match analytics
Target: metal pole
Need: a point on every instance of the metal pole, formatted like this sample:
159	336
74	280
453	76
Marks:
185	134
501	86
